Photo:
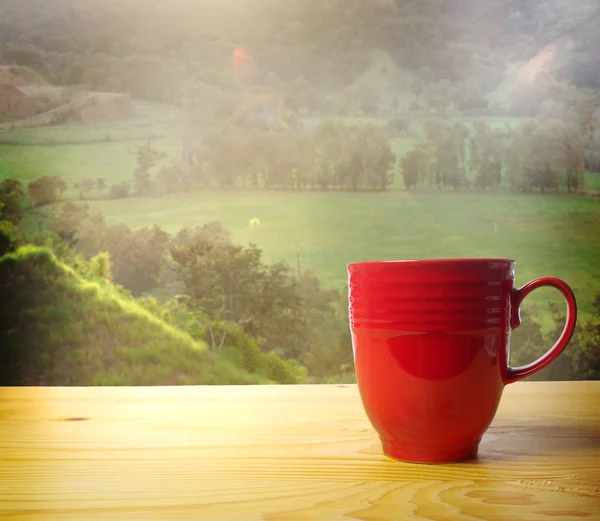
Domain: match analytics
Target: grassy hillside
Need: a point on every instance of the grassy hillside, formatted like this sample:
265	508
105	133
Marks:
58	329
546	234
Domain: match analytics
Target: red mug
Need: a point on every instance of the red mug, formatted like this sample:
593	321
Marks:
431	350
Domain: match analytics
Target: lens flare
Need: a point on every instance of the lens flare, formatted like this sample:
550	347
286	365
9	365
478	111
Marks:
239	54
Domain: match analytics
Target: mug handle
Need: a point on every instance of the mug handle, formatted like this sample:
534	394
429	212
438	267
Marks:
514	374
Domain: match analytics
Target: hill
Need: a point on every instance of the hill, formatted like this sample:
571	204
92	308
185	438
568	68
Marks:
56	328
308	52
28	100
21	76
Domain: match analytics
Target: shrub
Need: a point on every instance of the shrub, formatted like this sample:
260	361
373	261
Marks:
119	191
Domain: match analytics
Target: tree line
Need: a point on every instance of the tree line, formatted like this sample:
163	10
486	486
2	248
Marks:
533	156
332	157
544	156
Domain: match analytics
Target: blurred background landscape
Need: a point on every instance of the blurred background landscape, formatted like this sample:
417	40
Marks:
182	183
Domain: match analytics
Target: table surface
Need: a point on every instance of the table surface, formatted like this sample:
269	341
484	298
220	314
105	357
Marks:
285	453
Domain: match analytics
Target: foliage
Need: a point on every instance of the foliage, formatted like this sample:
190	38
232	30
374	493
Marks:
579	361
532	156
328	349
119	191
46	190
137	256
287	313
414	167
100	184
334	156
8	235
146	157
586	355
227	339
398	125
100	265
26	55
84	186
229	282
11	200
67	219
57	328
545	157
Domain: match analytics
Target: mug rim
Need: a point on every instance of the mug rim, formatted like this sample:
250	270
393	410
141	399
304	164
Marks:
430	261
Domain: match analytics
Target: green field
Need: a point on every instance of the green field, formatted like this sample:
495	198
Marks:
592	181
77	152
555	235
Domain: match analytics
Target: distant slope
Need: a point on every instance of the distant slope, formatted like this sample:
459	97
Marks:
384	78
21	76
66	112
572	55
58	329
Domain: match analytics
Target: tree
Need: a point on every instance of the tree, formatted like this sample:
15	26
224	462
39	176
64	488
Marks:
378	158
457	178
137	256
67	220
328	346
75	74
45	190
119	191
446	148
100	265
435	141
100	184
531	343
11	200
413	167
574	158
28	56
8	235
233	153
397	124
142	181
169	179
146	158
488	147
546	160
514	157
586	358
84	187
229	282
329	151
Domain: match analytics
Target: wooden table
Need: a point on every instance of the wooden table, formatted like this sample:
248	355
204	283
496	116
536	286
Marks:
284	453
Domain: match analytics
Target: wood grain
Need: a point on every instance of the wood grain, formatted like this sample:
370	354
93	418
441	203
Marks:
284	453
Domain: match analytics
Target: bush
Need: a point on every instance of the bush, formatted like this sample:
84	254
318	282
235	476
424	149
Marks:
245	352
100	265
119	191
283	371
398	125
250	354
8	237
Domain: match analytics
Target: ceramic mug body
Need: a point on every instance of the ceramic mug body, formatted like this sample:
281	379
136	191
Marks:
431	348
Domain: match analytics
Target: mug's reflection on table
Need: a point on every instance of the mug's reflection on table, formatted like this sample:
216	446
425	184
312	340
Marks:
285	453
